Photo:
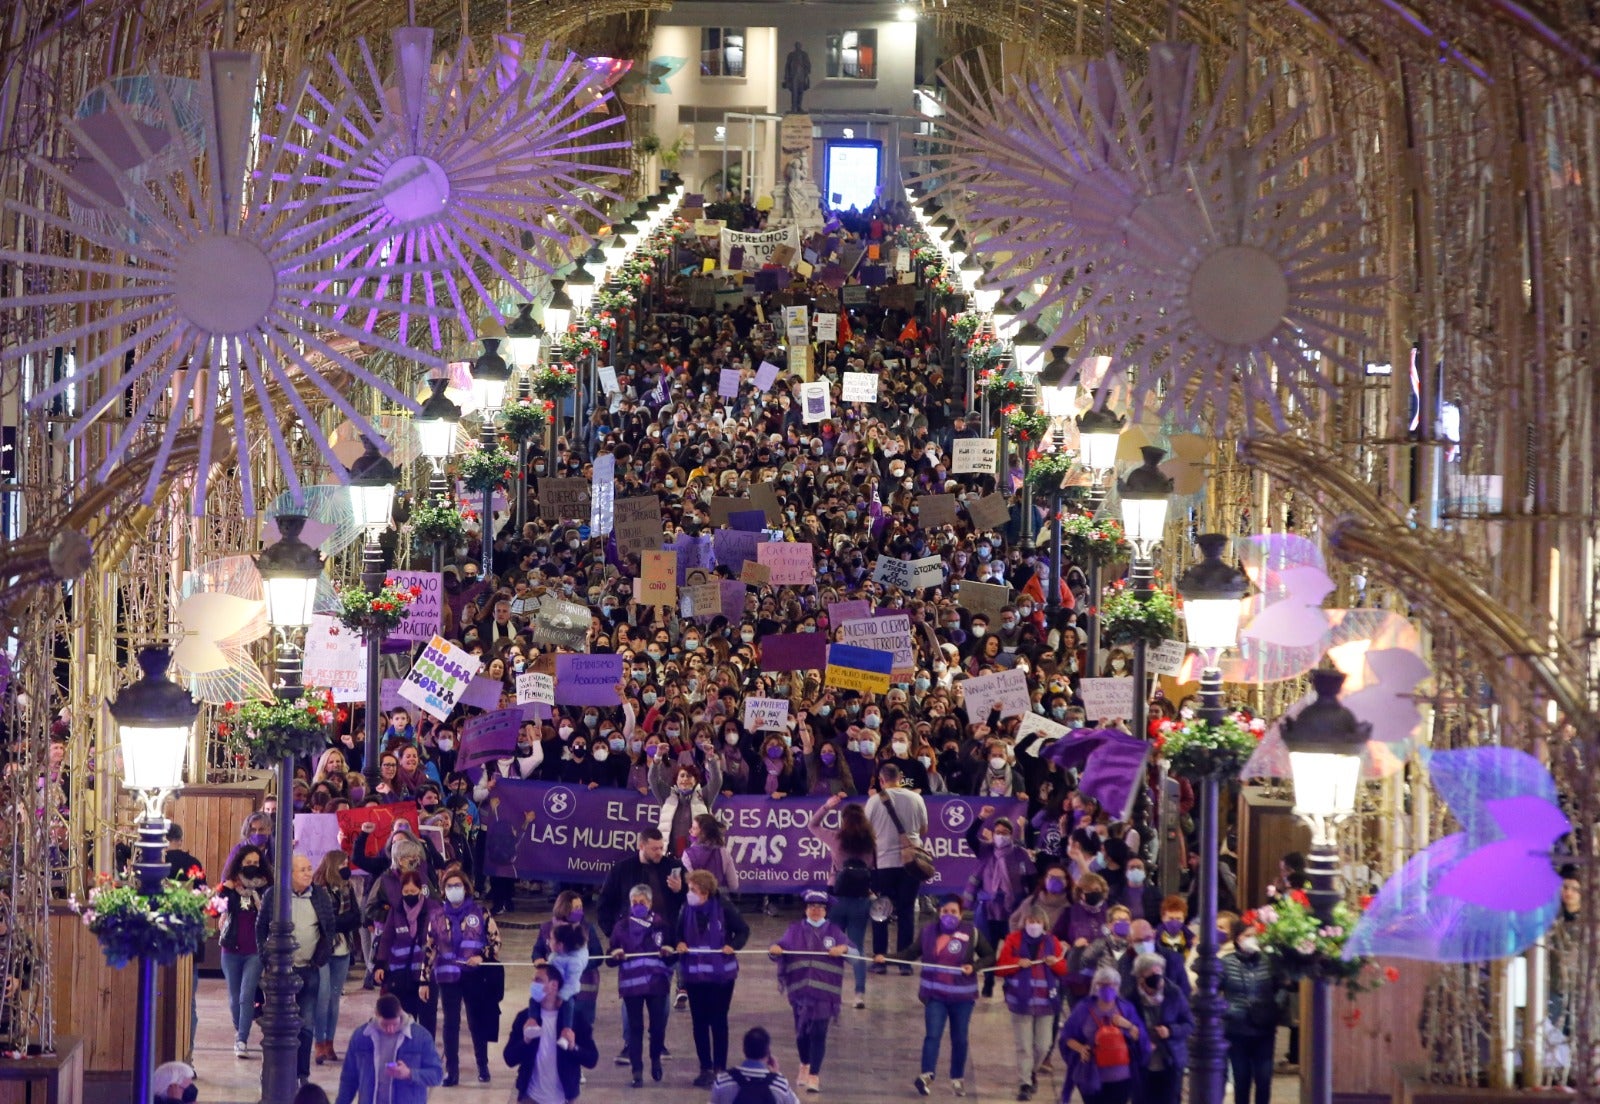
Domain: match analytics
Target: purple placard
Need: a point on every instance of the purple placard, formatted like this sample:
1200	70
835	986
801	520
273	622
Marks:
576	834
873	276
736	258
694	553
389	698
794	652
840	612
766	279
733	592
732	547
728	383
747	521
766	375
536	711
483	693
588	679
489	736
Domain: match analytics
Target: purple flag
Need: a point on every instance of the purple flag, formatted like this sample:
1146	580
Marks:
1112	763
489	736
794	652
483	693
588	679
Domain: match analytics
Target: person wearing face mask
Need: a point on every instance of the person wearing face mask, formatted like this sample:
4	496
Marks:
1051	892
642	957
549	1060
949	992
683	798
1083	922
861	757
1141	897
811	974
1107	950
1105	1044
463	940
1142	941
255	831
912	773
1000	882
1168	1021
708	850
403	955
174	1081
1031	964
708	931
1250	1020
243	929
333	875
1117	665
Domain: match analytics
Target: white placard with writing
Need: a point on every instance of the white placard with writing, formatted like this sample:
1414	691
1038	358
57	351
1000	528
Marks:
608	379
908	574
860	387
827	327
335	657
1048	730
766	714
534	687
1007	689
1106	699
974	455
815	402
1166	658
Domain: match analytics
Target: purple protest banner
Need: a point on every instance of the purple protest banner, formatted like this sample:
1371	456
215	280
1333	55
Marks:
733	595
483	693
554	832
728	383
694	553
748	521
489	736
389	698
794	652
732	547
766	375
588	679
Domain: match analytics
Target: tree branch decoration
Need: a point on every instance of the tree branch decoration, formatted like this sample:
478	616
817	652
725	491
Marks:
211	287
1210	264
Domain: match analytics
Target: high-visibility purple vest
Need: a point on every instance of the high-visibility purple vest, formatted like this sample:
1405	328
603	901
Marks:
641	977
948	985
459	932
813	981
1035	990
703	928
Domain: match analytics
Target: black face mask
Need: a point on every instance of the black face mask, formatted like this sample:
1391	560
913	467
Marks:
191	1094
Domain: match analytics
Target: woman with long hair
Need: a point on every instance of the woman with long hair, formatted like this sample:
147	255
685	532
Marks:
778	775
854	851
388	789
569	911
243	930
333	874
708	850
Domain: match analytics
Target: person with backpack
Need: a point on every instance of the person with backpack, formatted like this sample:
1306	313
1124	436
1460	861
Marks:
1031	964
1104	1043
811	975
756	1080
952	951
899	820
854	852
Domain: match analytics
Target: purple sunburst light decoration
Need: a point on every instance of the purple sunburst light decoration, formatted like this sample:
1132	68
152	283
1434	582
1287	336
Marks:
212	289
1212	255
496	157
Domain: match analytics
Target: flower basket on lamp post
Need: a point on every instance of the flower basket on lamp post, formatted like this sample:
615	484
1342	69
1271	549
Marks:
1127	618
487	469
281	729
375	615
1195	749
438	524
1301	947
1085	538
129	926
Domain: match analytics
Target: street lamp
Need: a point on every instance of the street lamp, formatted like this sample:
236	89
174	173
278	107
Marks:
1027	349
490	377
595	259
289	572
1325	743
1144	517
524	336
372	484
1213	598
1099	437
558	312
436	423
581	286
154	719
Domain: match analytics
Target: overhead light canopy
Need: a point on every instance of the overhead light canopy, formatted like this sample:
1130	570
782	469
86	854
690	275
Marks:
289	571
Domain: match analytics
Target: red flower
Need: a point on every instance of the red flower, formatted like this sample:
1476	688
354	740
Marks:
1391	975
1352	1017
1298	896
1249	918
415	591
1366	899
343	715
195	871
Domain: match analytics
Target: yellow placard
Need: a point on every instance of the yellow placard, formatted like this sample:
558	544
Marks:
848	678
708	265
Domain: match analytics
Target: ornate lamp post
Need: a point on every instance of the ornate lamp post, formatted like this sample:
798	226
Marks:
1058	393
1099	436
289	572
1213	595
1144	518
154	717
437	423
1325	742
558	315
1027	353
524	336
491	375
581	288
372	484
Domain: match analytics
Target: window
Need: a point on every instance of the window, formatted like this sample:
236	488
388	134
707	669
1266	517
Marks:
722	51
853	55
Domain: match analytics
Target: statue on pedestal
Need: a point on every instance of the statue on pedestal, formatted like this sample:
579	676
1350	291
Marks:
797	77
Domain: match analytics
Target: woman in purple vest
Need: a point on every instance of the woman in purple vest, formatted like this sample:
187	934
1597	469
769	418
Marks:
811	975
1032	963
642	956
404	956
709	930
463	940
952	951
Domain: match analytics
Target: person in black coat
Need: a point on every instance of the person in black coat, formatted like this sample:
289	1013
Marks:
318	936
536	1027
653	867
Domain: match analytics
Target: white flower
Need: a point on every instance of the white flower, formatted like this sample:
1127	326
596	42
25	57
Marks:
1306	946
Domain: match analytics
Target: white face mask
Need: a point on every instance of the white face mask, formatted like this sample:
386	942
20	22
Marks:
696	899
601	754
1249	944
1034	929
997	762
900	747
455	894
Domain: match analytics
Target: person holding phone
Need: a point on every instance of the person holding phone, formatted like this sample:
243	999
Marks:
390	1057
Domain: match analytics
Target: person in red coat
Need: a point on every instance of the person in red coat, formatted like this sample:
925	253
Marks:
1031	964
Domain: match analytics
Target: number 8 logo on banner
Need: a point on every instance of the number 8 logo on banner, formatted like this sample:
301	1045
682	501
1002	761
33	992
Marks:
560	803
955	815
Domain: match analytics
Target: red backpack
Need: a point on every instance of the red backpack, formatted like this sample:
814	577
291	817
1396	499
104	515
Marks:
1110	1044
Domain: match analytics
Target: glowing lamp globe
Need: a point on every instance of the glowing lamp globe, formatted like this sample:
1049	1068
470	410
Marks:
1099	435
1325	742
436	423
1027	348
1144	501
524	336
581	287
491	375
1213	598
372	483
154	717
289	571
1058	391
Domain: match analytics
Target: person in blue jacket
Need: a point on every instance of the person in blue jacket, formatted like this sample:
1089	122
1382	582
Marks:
391	1052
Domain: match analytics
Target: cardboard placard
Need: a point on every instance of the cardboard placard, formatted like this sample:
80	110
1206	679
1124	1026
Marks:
608	380
766	714
1106	699
728	383
588	679
791	563
1048	730
840	612
703	600
533	686
992	511
764	497
985	598
793	652
563	498
334	657
563	624
1007	689
766	375
603	496
974	456
909	574
754	573
658	578
936	510
1166	658
438	677
638	524
890	632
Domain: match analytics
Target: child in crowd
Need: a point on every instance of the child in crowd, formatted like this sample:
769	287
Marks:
571	956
